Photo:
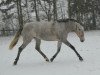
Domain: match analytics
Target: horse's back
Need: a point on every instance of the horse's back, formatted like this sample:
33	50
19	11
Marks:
38	24
34	28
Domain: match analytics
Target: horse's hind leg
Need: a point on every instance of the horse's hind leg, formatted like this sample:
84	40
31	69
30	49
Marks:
73	48
58	50
37	47
25	43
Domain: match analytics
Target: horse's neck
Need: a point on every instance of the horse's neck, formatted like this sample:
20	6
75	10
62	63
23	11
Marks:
69	27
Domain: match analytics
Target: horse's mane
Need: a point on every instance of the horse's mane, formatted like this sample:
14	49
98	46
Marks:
66	20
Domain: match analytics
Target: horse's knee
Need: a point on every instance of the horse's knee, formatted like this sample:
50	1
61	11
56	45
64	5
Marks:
58	50
21	48
37	48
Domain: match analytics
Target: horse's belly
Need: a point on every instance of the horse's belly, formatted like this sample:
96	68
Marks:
48	38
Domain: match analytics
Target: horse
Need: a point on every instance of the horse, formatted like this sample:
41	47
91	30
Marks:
48	31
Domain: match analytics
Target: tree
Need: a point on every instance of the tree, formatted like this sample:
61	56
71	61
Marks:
85	11
69	8
20	16
7	16
55	9
36	12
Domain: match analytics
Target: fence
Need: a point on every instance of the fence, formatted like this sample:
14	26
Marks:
4	32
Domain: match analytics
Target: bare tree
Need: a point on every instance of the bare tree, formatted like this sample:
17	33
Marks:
27	10
36	12
55	9
46	7
20	16
69	9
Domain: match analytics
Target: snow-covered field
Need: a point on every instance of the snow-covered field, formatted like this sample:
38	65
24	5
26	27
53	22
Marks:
66	63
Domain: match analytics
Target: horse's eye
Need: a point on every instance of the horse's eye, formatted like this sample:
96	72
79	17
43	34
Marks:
79	29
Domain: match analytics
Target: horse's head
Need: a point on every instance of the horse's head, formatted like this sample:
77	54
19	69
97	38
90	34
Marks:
79	30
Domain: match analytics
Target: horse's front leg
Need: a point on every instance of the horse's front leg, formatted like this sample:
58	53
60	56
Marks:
58	50
73	48
37	47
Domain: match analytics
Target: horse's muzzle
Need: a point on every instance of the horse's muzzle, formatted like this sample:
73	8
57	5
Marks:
82	40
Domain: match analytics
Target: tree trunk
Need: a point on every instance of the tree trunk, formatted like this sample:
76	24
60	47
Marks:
69	9
20	16
27	11
36	12
49	13
55	9
93	16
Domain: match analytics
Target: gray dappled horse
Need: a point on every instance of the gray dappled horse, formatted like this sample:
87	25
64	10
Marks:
49	31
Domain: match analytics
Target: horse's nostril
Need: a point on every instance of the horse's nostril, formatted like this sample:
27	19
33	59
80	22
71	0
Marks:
82	40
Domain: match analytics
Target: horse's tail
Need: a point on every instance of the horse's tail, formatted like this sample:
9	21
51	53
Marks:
16	38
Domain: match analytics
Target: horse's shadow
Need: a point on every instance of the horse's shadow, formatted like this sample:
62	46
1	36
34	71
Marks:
57	63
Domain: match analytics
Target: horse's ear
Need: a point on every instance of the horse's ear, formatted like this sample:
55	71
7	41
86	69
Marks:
76	27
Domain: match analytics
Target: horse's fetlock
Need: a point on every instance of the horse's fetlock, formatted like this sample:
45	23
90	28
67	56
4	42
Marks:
37	48
47	59
80	58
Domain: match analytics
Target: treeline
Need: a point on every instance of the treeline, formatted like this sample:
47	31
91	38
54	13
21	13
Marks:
86	12
15	13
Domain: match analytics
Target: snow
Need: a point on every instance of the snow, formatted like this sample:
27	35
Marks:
66	63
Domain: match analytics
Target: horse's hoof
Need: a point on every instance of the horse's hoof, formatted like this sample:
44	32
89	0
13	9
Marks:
81	59
15	63
47	59
51	59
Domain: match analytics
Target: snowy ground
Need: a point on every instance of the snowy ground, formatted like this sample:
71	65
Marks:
66	63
